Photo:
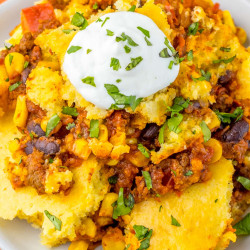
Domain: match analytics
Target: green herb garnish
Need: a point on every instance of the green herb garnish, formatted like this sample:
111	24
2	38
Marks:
67	31
170	66
143	150
145	32
129	39
206	131
173	171
127	49
115	63
225	49
109	32
144	234
127	247
245	182
121	207
216	201
70	111
14	86
10	58
89	50
193	28
147	41
51	160
188	173
205	76
94	128
118	80
79	20
147	178
70	126
226	117
95	6
105	20
190	55
161	133
26	64
224	60
174	122
134	63
174	222
132	9
164	53
73	49
52	123
243	226
56	222
160	208
113	179
89	80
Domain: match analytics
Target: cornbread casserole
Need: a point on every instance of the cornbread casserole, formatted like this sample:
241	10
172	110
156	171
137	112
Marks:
93	161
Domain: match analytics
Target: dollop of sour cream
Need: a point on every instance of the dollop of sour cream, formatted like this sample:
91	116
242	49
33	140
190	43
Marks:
125	49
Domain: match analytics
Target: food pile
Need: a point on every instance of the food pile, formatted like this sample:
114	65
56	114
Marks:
169	169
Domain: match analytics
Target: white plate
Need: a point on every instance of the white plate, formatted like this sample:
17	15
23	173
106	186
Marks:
19	235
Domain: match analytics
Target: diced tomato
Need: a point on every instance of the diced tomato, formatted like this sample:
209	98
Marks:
216	8
31	17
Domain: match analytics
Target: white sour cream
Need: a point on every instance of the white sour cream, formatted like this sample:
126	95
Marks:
149	76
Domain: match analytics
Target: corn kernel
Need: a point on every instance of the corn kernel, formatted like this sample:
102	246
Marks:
44	123
112	162
81	149
228	20
113	240
241	34
118	139
21	112
14	63
90	227
103	133
104	221
13	146
216	145
79	245
138	159
106	207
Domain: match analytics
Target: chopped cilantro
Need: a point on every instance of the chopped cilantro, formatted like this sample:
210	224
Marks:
190	55
10	58
127	49
201	30
120	208
20	161
94	128
134	63
105	20
99	20
7	79
160	208
173	171
144	234
174	122
52	123
95	6
143	150
147	178
224	60
226	117
206	131
147	41
129	39
245	182
79	20
115	63
132	9
145	32
89	50
170	66
14	86
67	31
109	32
113	179
164	53
51	160
26	64
243	226
193	28
70	126
161	133
118	80
188	173
174	222
56	222
216	201
70	111
73	49
90	80
205	76
225	49
31	135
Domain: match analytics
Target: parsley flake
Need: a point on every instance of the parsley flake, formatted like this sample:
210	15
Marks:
132	9
56	222
105	20
127	49
134	63
26	64
226	61
147	178
73	49
206	131
127	247
188	173
51	160
144	234
122	206
89	80
95	6
245	182
94	128
70	111
174	222
174	122
226	117
145	32
52	123
205	76
193	28
89	50
243	226
173	171
109	32
118	80
79	20
143	150
115	63
14	86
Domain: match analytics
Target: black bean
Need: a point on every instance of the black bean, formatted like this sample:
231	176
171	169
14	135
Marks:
47	146
150	132
196	105
236	132
226	78
35	128
29	148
